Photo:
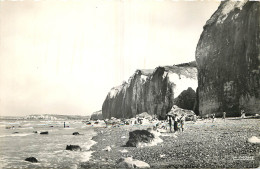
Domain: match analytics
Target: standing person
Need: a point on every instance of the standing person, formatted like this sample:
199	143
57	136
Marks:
182	120
213	117
169	118
207	116
194	118
64	125
105	122
175	125
242	114
224	115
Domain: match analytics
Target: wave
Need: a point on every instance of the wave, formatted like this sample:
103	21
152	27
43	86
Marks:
85	156
17	135
89	144
24	128
69	128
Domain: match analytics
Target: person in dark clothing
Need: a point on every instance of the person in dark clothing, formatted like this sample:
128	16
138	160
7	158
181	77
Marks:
175	125
64	125
170	120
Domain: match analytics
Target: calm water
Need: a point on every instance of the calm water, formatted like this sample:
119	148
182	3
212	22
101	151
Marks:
48	149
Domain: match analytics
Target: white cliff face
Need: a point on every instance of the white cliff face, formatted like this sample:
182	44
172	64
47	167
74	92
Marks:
151	91
228	60
114	91
182	82
97	115
143	78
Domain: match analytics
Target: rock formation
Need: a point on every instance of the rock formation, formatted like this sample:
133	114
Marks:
152	91
97	115
75	133
31	159
139	136
186	99
73	148
44	132
228	57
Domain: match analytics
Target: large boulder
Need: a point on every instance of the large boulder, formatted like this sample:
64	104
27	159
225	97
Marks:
151	91
129	162
31	159
44	132
179	112
144	115
139	136
73	148
228	59
75	133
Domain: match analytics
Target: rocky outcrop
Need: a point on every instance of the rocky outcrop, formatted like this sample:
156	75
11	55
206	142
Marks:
31	159
151	91
73	148
97	115
44	132
186	99
75	133
228	57
139	136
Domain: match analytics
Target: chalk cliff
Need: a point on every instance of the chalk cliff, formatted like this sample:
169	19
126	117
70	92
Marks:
152	91
228	57
97	115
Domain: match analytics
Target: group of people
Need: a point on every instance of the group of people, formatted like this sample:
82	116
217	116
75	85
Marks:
178	124
243	115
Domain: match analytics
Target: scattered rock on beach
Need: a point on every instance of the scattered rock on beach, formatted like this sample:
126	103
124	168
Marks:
75	133
129	162
139	136
73	148
44	132
108	148
254	140
31	159
123	151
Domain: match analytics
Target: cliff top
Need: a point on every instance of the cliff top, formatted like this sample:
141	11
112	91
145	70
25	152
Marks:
187	69
223	10
146	72
97	112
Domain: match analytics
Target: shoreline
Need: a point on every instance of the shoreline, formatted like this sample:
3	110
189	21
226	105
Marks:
221	144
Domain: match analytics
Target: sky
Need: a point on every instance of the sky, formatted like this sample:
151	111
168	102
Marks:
63	56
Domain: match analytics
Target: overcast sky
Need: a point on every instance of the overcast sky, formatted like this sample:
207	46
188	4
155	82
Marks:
63	57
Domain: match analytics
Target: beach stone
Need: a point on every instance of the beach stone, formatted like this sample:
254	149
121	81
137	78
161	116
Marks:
31	159
254	140
73	148
75	133
108	148
129	162
44	132
122	164
139	136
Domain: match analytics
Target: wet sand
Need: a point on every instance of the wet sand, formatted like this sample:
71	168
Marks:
221	144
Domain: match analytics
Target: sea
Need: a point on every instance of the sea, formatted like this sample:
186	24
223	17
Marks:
19	141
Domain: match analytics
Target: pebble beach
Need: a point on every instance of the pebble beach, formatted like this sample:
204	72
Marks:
203	144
